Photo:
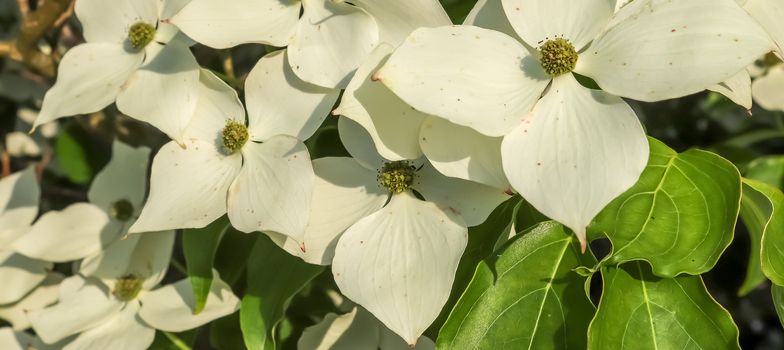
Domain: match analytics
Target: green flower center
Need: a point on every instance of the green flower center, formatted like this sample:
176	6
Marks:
558	56
122	210
397	177
127	288
141	34
235	134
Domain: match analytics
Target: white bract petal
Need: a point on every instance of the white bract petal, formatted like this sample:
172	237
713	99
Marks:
768	90
10	340
471	76
356	330
769	13
359	144
84	304
19	144
472	201
274	188
144	256
20	275
397	19
668	49
170	77
343	193
123	178
577	151
400	262
170	308
123	331
332	40
577	21
280	103
19	195
222	24
187	187
737	88
109	21
218	104
392	123
461	152
489	14
42	296
89	78
79	230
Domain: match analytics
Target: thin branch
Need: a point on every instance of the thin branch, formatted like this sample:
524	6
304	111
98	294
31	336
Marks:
34	26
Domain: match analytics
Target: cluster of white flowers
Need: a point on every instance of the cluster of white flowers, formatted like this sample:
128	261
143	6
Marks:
443	122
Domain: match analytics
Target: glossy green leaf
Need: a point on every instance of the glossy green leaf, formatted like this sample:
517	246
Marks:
78	155
232	256
199	247
641	311
680	216
754	213
767	204
481	242
274	277
755	210
526	296
777	293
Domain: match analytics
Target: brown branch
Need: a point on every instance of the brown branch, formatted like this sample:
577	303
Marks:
34	26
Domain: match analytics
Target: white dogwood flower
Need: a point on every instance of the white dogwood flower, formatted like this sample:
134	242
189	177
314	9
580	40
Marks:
259	172
768	88
19	196
575	149
125	313
86	228
326	43
383	238
16	340
130	57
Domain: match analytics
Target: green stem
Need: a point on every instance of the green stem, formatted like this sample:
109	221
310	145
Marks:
177	341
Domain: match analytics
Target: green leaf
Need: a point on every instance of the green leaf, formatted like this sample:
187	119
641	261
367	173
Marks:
755	210
778	301
233	252
481	243
225	333
78	156
680	216
765	203
274	277
641	311
199	247
526	297
769	170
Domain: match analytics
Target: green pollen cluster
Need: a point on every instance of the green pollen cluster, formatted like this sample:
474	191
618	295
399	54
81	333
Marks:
558	56
127	287
141	34
397	177
235	134
122	210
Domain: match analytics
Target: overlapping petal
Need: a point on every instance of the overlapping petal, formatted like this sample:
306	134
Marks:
123	331
768	90
392	123
19	195
109	21
737	88
223	24
332	40
170	308
170	77
20	275
123	178
397	19
343	193
461	152
280	103
471	76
